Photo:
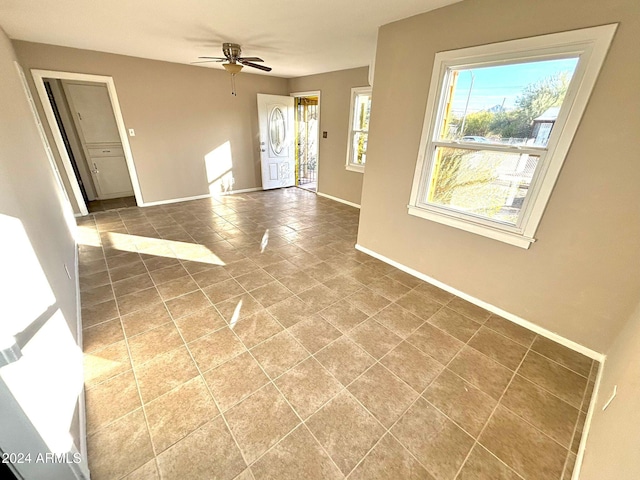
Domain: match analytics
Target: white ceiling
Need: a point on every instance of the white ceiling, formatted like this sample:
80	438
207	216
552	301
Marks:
295	37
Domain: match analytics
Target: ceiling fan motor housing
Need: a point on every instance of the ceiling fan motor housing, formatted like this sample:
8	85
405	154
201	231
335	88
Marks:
232	51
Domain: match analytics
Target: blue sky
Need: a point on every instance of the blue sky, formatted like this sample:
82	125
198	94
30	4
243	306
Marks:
493	85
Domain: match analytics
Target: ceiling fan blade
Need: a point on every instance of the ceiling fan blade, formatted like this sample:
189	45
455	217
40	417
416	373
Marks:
217	59
205	61
250	59
254	65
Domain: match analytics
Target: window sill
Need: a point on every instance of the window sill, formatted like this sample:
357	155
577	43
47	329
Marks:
500	235
355	168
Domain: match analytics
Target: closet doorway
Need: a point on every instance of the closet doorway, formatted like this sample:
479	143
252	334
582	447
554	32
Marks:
87	126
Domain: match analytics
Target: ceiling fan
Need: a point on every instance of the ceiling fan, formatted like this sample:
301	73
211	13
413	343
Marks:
235	62
232	52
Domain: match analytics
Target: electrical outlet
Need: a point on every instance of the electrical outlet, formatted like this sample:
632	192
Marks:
613	395
132	132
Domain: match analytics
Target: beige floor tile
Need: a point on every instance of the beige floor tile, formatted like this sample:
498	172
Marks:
176	288
122	259
96	295
498	347
364	274
562	382
132	284
282	269
290	311
314	333
433	292
482	465
107	458
482	372
167	274
127	271
110	400
346	430
374	338
179	412
151	343
200	323
271	293
389	288
149	471
343	284
436	441
463	403
256	328
320	297
209	452
412	366
577	436
165	372
564	356
368	301
522	447
216	348
435	343
384	395
145	319
240	267
279	353
468	309
136	301
238	307
343	315
98	313
224	290
344	360
235	380
389	460
322	272
297	456
101	365
568	469
254	279
154	263
308	386
210	276
89	281
102	335
298	282
419	304
511	330
260	421
548	413
398	320
187	304
455	324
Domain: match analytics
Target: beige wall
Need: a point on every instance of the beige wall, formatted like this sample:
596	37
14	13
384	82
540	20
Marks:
581	278
179	113
613	442
29	192
335	100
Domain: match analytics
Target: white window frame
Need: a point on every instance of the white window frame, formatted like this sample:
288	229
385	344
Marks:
591	46
351	165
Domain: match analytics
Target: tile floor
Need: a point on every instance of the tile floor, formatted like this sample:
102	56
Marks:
95	206
214	352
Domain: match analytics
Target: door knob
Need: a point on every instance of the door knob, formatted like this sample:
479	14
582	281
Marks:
95	168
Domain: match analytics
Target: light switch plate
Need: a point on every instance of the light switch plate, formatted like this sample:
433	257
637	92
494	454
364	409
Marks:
132	132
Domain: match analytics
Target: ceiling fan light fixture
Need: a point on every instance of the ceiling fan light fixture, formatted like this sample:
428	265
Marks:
232	68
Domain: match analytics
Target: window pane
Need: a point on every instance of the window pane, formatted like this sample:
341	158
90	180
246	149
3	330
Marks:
488	184
514	104
362	111
359	153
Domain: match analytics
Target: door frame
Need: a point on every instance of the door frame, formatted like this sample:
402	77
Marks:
312	93
38	79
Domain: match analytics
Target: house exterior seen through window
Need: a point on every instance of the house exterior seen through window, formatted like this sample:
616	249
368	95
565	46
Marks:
499	122
358	128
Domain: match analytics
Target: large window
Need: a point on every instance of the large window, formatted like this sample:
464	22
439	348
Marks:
358	128
500	119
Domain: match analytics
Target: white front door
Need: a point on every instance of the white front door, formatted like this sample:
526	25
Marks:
277	149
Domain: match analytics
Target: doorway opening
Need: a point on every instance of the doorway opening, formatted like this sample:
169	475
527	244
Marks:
307	120
87	126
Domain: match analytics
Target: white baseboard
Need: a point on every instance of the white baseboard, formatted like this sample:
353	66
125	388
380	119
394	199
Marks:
199	197
492	308
336	199
587	423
